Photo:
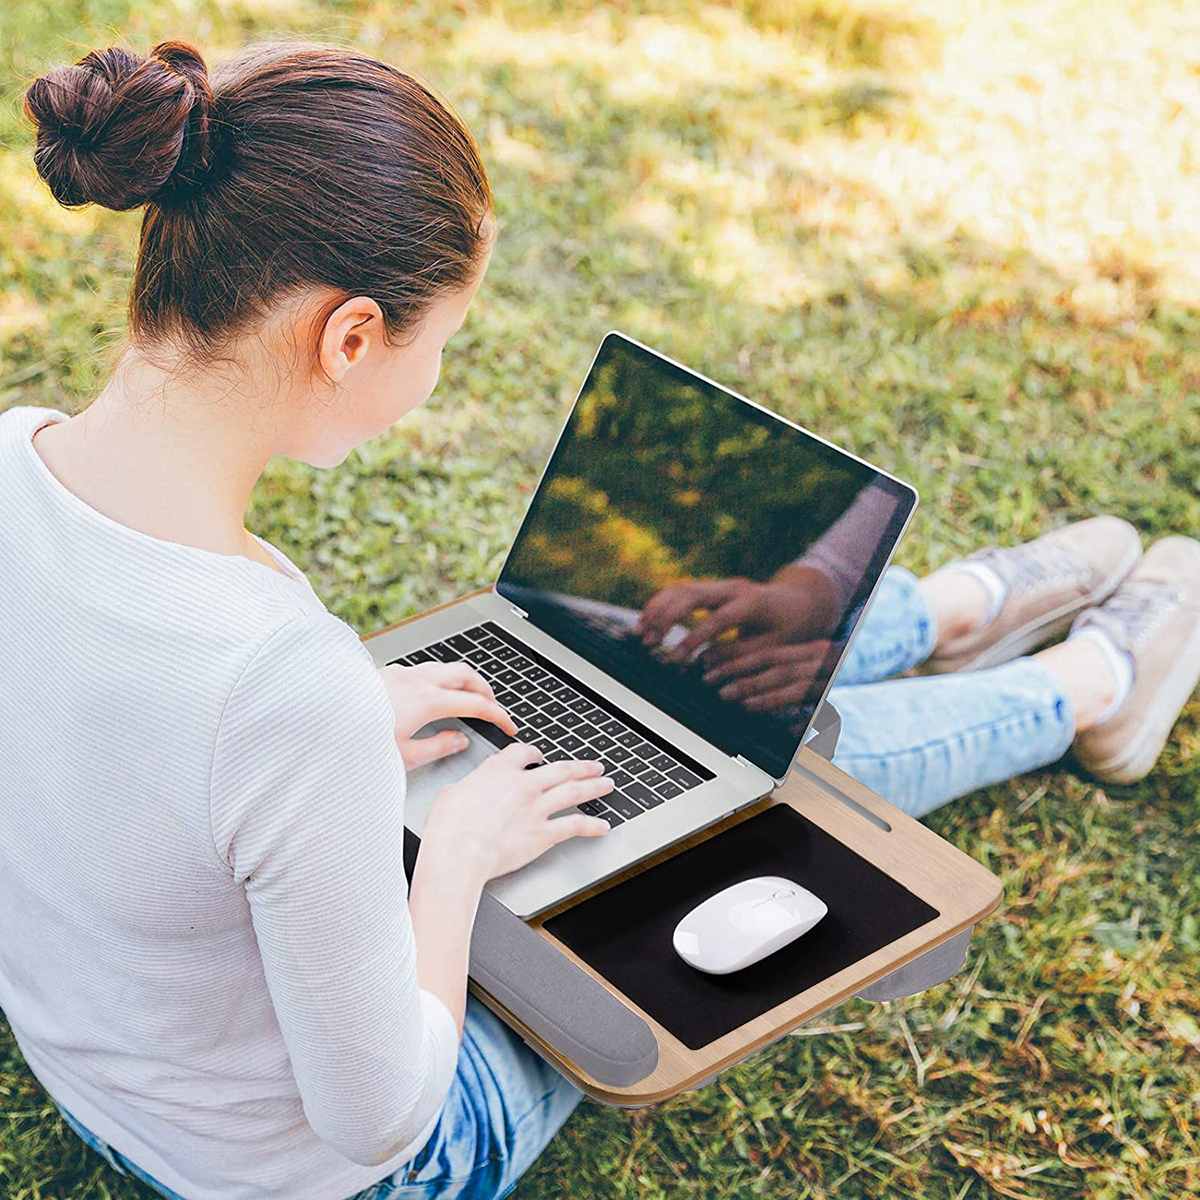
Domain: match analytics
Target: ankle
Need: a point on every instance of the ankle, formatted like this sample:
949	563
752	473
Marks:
1087	675
959	603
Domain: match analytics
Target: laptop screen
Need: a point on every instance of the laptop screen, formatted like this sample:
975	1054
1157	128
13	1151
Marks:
707	554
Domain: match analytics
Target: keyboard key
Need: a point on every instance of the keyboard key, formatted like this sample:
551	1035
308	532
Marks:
460	641
590	712
522	709
543	743
538	720
556	732
555	708
523	687
505	698
421	656
571	744
538	675
650	777
668	790
612	818
642	794
489	642
644	750
641	769
507	678
683	777
557	755
521	663
593	808
623	804
664	762
507	653
564	692
587	752
629	739
619	754
443	653
399	662
602	741
570	720
620	778
612	727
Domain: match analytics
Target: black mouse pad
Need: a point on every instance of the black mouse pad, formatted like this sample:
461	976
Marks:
625	933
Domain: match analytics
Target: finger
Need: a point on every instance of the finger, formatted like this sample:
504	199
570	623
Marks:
560	829
576	791
732	658
416	752
673	609
552	774
519	754
733	667
664	608
778	699
719	652
765	680
755	661
457	675
469	704
725	617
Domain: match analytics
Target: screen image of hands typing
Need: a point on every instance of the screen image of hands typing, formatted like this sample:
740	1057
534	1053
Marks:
703	553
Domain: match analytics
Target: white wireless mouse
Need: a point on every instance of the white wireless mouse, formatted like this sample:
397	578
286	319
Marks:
744	923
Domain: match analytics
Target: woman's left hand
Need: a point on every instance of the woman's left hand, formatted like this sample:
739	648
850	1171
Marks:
430	691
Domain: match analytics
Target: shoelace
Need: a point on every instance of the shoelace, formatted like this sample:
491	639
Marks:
1023	568
1131	612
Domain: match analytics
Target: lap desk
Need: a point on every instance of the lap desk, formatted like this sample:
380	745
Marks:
596	988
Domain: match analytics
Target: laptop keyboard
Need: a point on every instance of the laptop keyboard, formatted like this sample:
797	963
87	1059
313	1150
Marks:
565	719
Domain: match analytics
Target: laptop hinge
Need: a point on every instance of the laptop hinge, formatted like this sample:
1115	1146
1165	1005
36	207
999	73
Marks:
748	765
517	612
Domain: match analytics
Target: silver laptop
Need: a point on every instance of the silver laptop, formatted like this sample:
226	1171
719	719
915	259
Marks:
678	530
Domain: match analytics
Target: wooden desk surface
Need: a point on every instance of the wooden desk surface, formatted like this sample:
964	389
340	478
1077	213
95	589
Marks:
962	891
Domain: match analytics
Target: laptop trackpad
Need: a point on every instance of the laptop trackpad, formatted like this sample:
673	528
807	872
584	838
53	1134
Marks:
425	782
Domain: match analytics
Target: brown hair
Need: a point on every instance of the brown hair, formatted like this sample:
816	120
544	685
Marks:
297	166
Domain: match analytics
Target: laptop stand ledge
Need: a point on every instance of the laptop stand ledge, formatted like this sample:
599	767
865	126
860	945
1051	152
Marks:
528	979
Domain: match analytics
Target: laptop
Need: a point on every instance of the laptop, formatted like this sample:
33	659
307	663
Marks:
678	529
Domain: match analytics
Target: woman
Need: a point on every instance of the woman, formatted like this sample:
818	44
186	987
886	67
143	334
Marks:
208	954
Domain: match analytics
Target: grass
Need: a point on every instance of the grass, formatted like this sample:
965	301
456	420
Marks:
959	238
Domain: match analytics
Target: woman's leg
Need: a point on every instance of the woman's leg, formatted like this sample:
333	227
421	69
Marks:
1115	686
922	742
897	632
991	607
504	1106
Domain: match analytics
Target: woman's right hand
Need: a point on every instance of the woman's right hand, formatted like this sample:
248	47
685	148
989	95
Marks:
502	816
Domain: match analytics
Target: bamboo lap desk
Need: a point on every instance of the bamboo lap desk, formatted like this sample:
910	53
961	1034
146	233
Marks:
960	889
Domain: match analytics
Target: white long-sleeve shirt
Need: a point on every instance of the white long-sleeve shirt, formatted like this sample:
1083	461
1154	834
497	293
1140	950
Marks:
205	947
844	551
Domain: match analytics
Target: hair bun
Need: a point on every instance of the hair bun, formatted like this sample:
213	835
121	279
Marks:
120	130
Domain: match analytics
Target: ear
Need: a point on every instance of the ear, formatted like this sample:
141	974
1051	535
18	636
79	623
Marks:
347	335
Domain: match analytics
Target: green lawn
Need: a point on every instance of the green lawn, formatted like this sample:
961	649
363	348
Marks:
958	237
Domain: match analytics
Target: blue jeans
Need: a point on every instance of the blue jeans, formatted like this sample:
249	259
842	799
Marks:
505	1104
917	742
